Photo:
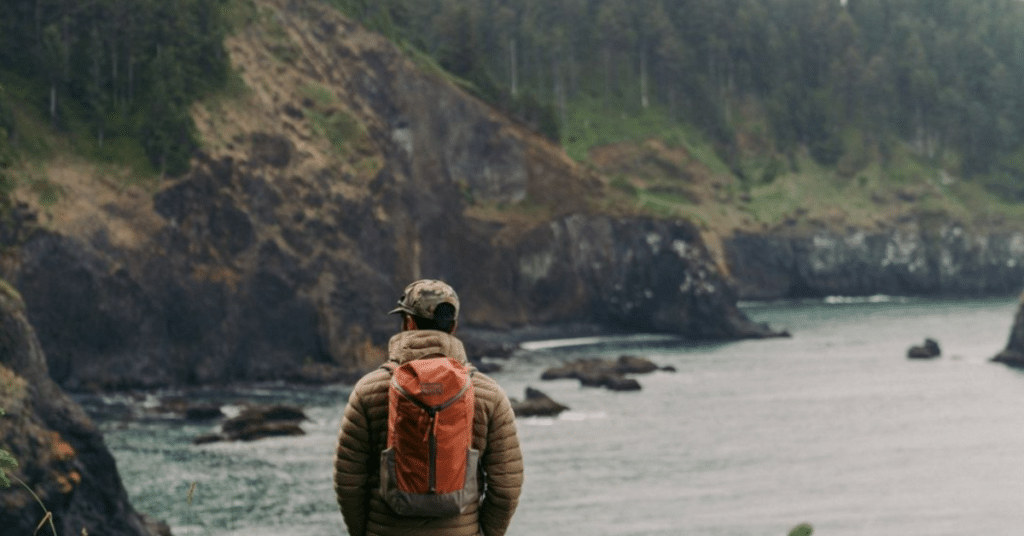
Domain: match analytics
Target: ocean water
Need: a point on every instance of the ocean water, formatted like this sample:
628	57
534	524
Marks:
833	426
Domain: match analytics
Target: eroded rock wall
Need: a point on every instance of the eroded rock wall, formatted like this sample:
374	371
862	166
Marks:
1013	354
912	259
60	452
636	274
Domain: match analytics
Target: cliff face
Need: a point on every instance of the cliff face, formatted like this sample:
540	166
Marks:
1013	354
61	454
340	174
910	259
639	274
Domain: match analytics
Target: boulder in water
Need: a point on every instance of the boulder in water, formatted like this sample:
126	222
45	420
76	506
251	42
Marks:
621	383
1013	354
259	422
203	412
537	404
631	364
929	349
605	372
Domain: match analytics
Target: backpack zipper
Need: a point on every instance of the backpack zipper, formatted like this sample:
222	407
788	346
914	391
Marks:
432	474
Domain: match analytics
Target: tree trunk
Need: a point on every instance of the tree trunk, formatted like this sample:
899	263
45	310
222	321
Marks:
607	75
113	74
644	100
559	88
53	103
131	79
513	67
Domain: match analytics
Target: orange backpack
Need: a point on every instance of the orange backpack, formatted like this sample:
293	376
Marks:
429	467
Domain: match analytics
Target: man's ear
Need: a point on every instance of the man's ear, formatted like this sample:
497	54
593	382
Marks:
408	324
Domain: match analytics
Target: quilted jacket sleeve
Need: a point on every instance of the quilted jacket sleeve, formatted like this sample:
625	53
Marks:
503	465
350	465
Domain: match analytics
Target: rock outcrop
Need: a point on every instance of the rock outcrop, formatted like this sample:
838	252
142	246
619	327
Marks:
608	373
346	173
1013	354
929	349
259	422
536	404
60	452
919	257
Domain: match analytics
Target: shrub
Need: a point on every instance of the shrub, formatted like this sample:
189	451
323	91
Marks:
7	463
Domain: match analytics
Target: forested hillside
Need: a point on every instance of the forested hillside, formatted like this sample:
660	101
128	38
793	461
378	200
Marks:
760	80
846	80
119	74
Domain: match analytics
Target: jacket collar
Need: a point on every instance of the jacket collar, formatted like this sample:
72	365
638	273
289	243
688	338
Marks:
411	345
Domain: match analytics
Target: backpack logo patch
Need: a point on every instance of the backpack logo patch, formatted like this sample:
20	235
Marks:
432	389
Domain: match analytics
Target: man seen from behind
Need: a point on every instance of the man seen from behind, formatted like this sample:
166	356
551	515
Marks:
429	310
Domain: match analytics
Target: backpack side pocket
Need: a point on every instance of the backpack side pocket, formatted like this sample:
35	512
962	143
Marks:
425	504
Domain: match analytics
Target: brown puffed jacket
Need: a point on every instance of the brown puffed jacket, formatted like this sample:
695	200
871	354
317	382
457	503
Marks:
364	433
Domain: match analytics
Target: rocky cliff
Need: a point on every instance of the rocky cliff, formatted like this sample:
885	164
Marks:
1013	354
916	257
341	172
61	454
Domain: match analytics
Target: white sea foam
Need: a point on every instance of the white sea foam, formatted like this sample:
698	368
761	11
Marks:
589	341
877	298
567	416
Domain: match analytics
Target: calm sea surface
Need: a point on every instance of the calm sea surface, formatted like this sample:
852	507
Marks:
834	426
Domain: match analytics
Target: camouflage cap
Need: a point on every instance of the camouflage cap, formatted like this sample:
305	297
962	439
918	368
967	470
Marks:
423	296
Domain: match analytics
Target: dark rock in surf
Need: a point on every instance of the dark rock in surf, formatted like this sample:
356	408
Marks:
190	411
208	438
605	372
929	349
1011	359
1013	354
596	377
575	369
203	412
621	383
631	364
611	380
537	404
258	422
267	429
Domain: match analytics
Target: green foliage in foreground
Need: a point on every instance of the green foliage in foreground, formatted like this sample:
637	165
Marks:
802	529
7	463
